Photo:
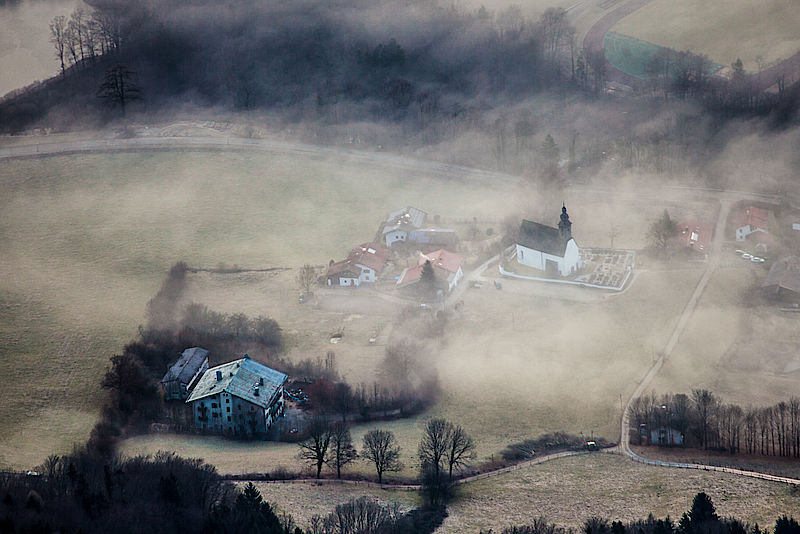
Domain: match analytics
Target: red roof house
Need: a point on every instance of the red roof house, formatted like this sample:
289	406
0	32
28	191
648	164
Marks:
750	220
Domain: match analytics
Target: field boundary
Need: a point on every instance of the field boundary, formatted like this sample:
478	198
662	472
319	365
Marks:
510	274
401	486
705	467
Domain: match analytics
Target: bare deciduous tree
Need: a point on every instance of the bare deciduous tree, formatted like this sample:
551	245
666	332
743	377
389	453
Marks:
460	450
314	449
434	445
118	88
342	451
381	448
58	30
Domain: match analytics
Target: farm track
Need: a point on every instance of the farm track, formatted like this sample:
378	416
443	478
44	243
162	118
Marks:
726	198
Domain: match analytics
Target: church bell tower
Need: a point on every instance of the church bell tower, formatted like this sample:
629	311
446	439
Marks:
565	225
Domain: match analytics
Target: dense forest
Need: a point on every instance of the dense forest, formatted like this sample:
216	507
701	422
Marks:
425	65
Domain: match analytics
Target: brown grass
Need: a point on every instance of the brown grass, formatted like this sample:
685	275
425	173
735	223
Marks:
571	490
739	353
566	492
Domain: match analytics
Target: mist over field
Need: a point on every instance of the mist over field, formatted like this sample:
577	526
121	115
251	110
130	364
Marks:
256	141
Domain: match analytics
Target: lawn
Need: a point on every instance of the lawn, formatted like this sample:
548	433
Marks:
722	30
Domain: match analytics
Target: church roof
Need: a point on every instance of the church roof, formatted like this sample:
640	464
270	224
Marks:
543	238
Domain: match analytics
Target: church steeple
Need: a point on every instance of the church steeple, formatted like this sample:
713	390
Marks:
565	225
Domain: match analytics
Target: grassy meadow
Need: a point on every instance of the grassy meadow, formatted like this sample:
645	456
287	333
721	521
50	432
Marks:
567	492
86	241
741	349
724	30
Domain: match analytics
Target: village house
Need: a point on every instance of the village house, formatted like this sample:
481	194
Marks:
181	377
783	279
446	267
238	398
364	263
751	220
400	223
548	249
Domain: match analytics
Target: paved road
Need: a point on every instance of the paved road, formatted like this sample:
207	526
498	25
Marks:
624	441
726	198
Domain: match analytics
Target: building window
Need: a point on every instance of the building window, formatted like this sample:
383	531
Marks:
228	409
213	404
229	418
227	399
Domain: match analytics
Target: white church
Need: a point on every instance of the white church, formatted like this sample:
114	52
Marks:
548	249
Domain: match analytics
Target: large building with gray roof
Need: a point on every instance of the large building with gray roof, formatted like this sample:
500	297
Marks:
238	398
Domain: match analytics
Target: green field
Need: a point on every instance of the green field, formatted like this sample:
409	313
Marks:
724	30
633	56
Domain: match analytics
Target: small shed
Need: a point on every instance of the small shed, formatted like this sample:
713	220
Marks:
665	436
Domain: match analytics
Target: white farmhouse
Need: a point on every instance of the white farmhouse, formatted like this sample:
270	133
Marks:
238	398
548	249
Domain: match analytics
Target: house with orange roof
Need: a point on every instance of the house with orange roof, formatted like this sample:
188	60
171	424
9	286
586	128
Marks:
364	263
751	220
446	266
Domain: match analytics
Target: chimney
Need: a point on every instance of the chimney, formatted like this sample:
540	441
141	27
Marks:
261	381
219	375
255	391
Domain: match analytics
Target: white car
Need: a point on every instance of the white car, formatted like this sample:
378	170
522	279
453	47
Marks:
747	256
756	259
740	252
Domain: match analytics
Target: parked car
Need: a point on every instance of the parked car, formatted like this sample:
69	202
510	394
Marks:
747	256
740	252
756	259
